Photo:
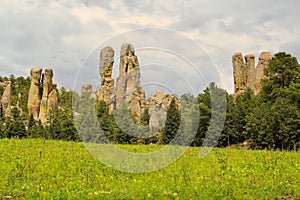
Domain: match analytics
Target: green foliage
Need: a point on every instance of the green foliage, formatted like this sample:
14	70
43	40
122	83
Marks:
15	126
62	127
145	118
36	128
269	120
20	91
209	128
171	125
234	131
274	126
65	97
45	169
283	70
204	118
274	122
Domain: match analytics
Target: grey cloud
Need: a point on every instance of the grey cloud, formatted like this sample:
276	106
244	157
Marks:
39	34
292	48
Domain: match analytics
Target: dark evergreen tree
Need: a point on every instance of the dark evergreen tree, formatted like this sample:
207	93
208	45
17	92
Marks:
68	129
172	124
15	126
283	70
145	118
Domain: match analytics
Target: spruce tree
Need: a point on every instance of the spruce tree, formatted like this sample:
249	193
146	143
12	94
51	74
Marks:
172	124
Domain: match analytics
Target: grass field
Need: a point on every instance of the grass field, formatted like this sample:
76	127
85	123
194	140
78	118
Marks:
44	169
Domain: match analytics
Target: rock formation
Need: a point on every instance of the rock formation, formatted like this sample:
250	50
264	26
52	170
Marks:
88	92
245	74
107	90
158	105
86	89
52	99
42	98
263	62
129	91
34	98
5	103
47	89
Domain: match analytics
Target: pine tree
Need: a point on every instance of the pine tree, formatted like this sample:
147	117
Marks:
283	70
172	124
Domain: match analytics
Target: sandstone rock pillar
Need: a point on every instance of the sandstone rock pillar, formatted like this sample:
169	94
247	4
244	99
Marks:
107	90
238	72
34	98
250	70
129	91
263	62
6	100
245	74
47	88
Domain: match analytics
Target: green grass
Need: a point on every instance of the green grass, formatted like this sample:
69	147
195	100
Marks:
44	169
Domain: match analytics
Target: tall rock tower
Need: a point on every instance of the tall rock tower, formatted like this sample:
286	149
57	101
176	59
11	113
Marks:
34	99
129	91
107	90
245	74
42	97
5	102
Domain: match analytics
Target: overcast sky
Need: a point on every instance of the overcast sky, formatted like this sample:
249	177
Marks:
67	34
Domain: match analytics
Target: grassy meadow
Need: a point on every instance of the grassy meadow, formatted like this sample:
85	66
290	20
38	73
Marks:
48	169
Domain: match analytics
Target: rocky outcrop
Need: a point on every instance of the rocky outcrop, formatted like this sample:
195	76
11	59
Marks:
86	89
5	103
158	105
42	97
47	89
34	98
88	92
263	62
52	99
250	70
245	74
129	91
107	90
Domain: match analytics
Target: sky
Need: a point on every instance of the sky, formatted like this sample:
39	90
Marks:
182	45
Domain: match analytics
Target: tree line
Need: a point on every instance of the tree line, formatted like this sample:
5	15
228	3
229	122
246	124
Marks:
268	120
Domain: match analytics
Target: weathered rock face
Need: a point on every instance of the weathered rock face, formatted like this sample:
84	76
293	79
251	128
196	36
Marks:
86	88
129	91
88	92
5	100
245	74
42	98
52	99
125	49
250	70
107	90
238	72
47	89
158	105
137	103
34	98
263	62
